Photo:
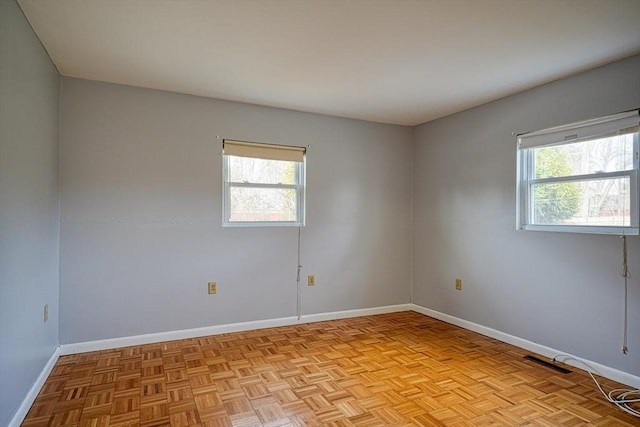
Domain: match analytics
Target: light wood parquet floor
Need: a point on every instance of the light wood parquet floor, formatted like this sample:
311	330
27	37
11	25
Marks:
398	369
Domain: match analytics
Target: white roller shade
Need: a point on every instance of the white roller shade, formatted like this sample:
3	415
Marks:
263	151
588	129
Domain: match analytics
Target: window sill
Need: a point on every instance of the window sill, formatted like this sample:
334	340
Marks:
233	224
619	231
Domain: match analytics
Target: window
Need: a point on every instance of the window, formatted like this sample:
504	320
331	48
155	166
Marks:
264	184
581	177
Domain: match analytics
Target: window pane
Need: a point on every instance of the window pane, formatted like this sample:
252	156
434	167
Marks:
599	202
261	171
610	154
262	204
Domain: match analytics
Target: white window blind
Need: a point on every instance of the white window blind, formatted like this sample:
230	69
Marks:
263	151
615	124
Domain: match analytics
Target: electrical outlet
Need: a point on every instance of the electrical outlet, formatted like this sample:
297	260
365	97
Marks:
213	288
311	280
46	312
458	284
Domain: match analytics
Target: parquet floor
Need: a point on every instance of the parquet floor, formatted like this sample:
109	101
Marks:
399	369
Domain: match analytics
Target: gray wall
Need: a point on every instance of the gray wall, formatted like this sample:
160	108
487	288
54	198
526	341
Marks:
141	218
557	289
29	221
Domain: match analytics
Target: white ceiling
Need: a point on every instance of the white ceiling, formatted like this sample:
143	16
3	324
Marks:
392	61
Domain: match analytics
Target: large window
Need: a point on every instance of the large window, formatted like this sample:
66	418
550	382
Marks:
581	177
264	184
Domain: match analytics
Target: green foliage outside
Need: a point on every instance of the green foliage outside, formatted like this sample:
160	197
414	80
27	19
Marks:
554	203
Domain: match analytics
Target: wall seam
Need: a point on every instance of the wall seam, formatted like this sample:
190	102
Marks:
59	193
411	213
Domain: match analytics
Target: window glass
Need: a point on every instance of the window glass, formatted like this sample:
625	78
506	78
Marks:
262	204
261	171
609	154
597	202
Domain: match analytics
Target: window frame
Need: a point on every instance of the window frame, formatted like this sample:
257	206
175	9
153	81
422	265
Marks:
299	187
526	181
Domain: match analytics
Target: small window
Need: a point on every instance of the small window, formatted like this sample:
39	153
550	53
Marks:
581	177
263	184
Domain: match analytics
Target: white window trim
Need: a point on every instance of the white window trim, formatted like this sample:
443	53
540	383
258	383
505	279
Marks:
300	170
524	170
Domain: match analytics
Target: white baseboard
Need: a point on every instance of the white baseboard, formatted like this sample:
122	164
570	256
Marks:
111	343
19	416
596	368
321	317
83	347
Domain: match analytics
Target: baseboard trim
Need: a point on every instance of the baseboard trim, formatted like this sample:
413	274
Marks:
28	400
83	347
111	343
602	370
107	344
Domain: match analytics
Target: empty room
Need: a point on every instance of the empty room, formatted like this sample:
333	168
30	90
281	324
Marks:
319	213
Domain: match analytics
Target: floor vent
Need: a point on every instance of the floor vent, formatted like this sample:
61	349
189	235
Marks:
547	364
